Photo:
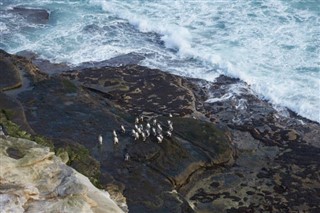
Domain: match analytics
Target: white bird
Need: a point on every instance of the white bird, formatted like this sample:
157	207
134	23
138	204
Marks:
159	138
136	127
170	115
154	132
136	136
115	140
133	132
114	133
169	122
169	133
147	132
143	136
154	122
159	129
141	118
123	129
100	139
141	127
137	120
126	156
148	125
170	127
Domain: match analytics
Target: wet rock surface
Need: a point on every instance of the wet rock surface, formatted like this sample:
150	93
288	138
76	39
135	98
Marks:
277	156
229	150
32	15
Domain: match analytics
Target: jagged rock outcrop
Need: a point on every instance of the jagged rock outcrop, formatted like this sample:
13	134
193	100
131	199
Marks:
33	179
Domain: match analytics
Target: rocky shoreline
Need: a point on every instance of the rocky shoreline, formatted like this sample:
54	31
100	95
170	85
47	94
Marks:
229	152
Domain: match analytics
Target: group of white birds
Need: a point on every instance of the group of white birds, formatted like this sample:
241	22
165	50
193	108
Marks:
143	132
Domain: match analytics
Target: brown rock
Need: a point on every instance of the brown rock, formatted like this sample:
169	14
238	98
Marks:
10	76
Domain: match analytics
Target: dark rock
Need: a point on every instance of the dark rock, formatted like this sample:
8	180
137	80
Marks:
10	76
118	61
37	16
14	153
14	111
138	89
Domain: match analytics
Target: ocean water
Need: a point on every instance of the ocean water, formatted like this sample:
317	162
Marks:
273	45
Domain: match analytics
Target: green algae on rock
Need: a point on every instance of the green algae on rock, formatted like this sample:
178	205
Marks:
14	130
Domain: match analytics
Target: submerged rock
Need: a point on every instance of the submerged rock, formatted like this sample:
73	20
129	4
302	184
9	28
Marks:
33	15
33	179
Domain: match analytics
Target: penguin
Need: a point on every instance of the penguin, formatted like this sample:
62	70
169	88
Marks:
126	156
143	135
115	140
159	138
136	136
123	129
154	132
170	127
139	130
154	122
114	133
141	118
147	132
141	127
100	140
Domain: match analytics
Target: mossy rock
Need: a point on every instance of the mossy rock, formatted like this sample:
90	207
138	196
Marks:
78	157
14	130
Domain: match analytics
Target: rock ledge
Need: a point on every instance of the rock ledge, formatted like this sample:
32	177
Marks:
33	179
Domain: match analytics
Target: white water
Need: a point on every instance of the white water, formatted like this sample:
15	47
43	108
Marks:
272	45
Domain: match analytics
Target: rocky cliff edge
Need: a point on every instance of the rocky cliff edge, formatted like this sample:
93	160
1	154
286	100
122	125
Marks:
33	179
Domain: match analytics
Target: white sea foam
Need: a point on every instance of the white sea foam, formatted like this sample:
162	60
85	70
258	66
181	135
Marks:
3	28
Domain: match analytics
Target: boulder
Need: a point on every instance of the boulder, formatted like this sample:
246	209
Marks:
35	180
33	15
10	75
